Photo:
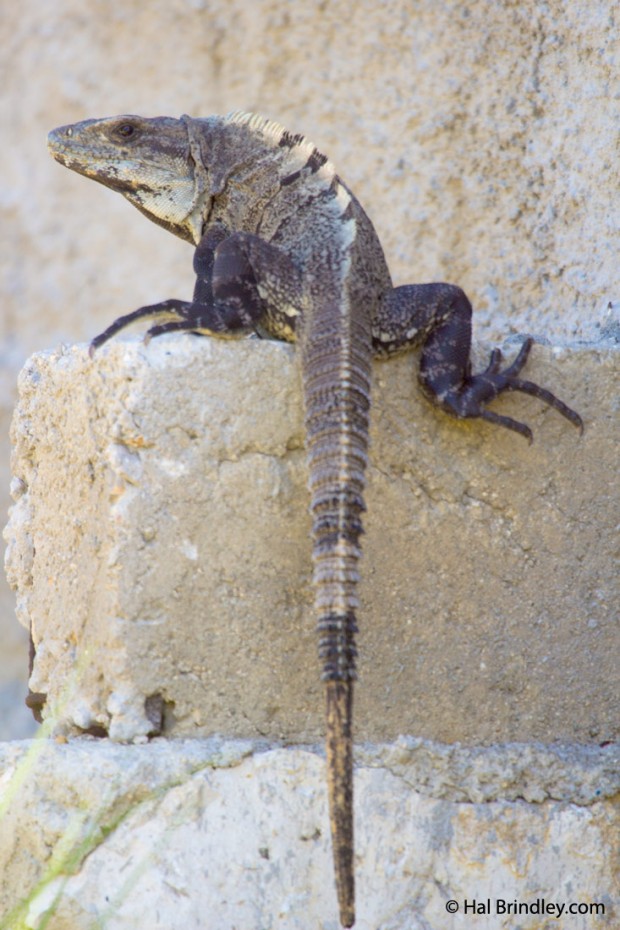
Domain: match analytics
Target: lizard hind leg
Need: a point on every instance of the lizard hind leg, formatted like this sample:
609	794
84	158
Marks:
443	317
439	317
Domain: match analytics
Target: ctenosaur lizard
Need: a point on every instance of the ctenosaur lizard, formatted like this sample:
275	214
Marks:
284	250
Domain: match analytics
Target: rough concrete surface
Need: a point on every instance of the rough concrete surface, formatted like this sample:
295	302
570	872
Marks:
214	836
159	546
479	137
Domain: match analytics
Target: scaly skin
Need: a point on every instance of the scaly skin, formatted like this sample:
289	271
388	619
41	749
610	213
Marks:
283	249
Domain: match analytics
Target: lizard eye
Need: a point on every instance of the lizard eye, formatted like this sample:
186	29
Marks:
126	130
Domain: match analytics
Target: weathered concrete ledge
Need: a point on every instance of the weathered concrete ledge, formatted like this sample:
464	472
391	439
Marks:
159	549
180	834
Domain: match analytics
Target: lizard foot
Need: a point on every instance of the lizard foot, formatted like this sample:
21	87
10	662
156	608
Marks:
173	311
210	319
469	399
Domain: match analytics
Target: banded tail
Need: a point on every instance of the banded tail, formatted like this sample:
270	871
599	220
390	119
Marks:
336	373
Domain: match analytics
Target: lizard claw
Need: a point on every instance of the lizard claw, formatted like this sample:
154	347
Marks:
501	420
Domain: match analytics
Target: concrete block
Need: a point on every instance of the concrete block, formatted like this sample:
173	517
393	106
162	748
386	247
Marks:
159	548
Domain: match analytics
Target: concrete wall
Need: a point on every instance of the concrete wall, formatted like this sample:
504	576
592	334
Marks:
480	139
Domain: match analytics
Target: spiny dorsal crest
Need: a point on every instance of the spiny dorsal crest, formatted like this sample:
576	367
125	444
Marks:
302	157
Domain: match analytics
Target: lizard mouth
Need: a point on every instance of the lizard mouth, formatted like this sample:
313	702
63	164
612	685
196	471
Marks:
105	173
64	146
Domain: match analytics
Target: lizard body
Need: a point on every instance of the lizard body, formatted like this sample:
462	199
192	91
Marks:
283	249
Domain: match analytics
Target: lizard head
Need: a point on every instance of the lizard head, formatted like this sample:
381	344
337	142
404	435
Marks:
148	161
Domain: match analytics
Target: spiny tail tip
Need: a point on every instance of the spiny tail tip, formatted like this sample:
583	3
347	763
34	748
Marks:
340	789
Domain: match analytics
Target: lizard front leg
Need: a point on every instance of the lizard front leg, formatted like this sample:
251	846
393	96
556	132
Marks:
173	310
439	317
240	278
